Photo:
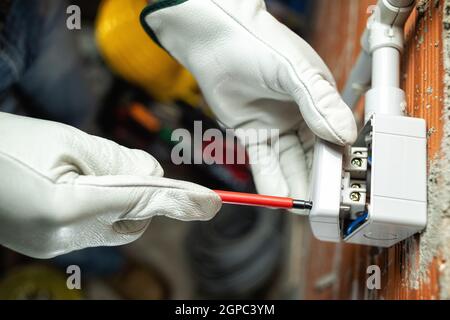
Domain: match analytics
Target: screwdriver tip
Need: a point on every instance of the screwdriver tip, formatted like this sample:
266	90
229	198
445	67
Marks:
302	205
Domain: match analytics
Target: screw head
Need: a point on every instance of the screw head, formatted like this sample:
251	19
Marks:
357	162
355	196
356	186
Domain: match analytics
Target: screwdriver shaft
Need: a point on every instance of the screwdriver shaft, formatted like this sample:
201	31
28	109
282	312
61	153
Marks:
256	200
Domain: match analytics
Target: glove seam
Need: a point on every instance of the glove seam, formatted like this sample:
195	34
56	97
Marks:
56	183
153	8
25	165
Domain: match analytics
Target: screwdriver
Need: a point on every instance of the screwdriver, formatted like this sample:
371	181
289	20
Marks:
256	200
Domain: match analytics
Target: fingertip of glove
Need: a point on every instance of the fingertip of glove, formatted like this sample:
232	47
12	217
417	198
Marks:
344	125
210	205
340	121
323	108
187	202
335	124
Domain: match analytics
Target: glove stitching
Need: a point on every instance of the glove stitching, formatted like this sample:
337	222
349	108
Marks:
40	174
310	97
36	172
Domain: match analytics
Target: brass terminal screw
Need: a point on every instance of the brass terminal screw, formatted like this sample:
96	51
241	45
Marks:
357	162
355	196
356	186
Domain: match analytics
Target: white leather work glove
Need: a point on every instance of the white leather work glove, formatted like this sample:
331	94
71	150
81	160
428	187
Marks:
255	73
62	190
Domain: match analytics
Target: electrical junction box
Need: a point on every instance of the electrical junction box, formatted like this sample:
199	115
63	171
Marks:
374	192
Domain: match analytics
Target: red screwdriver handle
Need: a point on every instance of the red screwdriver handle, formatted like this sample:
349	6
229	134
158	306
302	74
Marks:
248	199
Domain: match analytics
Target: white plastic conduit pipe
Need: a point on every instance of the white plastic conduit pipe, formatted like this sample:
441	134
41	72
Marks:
360	76
380	60
386	42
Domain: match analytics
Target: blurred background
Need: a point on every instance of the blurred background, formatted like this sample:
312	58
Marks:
111	80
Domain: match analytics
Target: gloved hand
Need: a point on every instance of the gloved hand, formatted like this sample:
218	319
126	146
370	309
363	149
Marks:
255	74
63	190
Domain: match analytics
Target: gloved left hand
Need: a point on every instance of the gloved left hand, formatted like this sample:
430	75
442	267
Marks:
63	190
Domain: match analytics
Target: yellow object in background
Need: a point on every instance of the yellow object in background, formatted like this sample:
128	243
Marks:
37	282
133	55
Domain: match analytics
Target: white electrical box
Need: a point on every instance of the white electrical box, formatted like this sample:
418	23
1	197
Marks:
373	193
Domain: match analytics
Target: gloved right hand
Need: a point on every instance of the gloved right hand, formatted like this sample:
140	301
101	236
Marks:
63	190
255	74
